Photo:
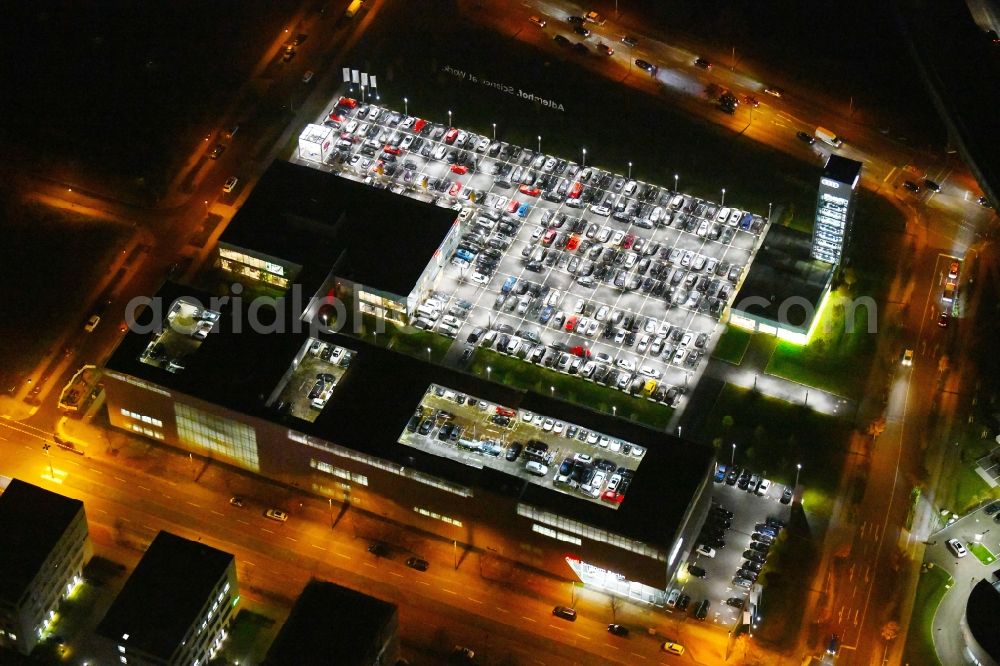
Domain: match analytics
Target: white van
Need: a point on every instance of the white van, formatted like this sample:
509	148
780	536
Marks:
536	468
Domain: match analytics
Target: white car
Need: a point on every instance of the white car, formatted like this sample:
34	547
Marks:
643	344
702	549
626	364
407	141
558	427
526	416
548	424
594	487
617	237
764	486
276	514
592	327
615	480
351	127
602	357
672	598
92	323
956	547
440	152
362	129
615	446
651	372
482	145
602	313
686	340
578	306
592	438
603	442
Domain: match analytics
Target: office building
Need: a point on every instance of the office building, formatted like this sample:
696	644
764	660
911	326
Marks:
176	606
44	545
835	209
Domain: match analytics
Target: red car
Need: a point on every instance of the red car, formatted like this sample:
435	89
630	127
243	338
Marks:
505	411
612	496
530	191
580	351
572	243
451	136
459	169
549	236
571	323
627	243
455	188
513	206
336	117
419	124
392	151
575	191
347	102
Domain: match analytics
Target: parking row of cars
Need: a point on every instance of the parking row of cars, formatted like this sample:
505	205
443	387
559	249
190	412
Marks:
744	479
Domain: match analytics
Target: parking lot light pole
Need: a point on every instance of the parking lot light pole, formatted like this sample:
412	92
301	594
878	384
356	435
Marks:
676	176
449	117
406	106
539	143
768	211
798	468
489	370
630	171
494	131
723	197
584	162
732	459
552	389
428	354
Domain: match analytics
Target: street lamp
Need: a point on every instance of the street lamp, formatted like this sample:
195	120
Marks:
539	143
406	106
614	410
768	211
630	171
45	447
675	181
489	370
449	117
494	131
428	354
552	389
723	197
584	157
732	459
798	468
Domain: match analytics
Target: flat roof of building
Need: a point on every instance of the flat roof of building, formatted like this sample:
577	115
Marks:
783	273
373	401
164	594
32	520
982	613
329	619
316	219
842	169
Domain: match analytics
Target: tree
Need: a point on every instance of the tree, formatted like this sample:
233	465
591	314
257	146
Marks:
614	603
727	423
876	427
890	630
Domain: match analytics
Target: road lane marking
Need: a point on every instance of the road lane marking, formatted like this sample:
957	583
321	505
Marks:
424	582
612	646
148	490
502	610
151	529
396	574
290	538
125	520
264	529
584	637
342	555
315	546
529	619
369	564
240	520
476	600
95	471
193	504
217	512
636	654
449	591
166	496
118	478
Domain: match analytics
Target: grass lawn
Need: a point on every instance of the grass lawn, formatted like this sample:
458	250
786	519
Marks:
648	130
518	374
982	553
732	345
772	436
931	587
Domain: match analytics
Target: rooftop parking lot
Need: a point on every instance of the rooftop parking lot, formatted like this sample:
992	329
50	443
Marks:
311	383
187	325
545	451
569	266
733	546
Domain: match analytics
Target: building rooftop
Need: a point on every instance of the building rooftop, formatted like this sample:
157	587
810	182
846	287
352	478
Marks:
783	271
842	169
165	593
375	398
32	520
317	219
982	613
328	620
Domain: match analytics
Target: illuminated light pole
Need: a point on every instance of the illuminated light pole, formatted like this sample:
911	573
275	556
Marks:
449	117
489	370
798	468
768	211
48	455
406	106
732	459
494	131
630	171
584	157
676	176
539	143
723	197
428	354
552	389
614	410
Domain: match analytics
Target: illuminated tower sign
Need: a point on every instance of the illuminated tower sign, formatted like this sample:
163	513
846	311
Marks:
835	209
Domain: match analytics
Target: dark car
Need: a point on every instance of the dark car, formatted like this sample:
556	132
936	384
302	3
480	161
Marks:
426	426
560	40
696	571
735	602
754	556
992	508
806	136
575	20
646	66
786	497
701	612
931	185
683	602
513	451
703	63
416	563
734	473
378	550
617	630
911	186
565	612
582	48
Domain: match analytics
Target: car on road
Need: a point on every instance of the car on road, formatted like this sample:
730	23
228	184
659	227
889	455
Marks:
956	547
953	270
774	91
931	185
618	629
276	514
417	563
696	571
604	49
236	500
703	63
673	648
911	186
230	184
580	30
217	151
992	508
907	357
565	612
645	66
91	324
378	550
806	137
541	23
628	40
